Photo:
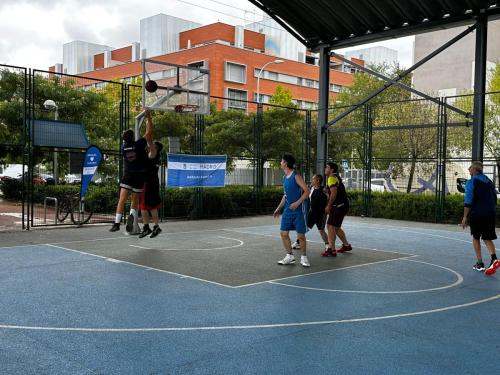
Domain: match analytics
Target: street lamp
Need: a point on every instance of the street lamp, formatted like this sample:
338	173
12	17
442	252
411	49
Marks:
51	105
278	61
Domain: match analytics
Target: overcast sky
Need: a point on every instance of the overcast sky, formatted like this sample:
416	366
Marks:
32	32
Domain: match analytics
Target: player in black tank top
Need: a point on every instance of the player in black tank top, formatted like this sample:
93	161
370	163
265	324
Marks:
337	208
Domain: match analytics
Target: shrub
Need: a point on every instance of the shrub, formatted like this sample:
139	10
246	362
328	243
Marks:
12	189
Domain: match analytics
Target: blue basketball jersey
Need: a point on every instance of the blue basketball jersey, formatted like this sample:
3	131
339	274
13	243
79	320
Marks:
292	190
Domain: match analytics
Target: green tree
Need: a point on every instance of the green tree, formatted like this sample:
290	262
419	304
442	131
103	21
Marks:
233	132
462	137
393	107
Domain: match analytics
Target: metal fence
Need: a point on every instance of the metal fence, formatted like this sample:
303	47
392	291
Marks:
407	147
412	147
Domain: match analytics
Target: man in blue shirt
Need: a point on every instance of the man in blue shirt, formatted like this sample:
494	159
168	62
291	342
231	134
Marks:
480	210
296	192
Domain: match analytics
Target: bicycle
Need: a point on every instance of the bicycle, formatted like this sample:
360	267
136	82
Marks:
78	209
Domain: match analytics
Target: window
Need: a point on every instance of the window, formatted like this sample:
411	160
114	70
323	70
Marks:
195	77
335	88
263	98
236	99
235	72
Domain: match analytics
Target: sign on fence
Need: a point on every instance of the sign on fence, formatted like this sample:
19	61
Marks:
91	161
196	170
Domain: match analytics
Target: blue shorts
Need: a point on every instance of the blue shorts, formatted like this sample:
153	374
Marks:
293	220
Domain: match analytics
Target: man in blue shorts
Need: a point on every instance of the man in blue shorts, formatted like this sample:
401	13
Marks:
480	210
296	192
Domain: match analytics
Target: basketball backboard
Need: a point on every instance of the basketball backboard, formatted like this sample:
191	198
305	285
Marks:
175	88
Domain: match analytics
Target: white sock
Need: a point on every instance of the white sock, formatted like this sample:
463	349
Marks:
118	218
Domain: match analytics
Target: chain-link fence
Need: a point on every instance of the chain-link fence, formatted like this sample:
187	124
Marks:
66	115
413	147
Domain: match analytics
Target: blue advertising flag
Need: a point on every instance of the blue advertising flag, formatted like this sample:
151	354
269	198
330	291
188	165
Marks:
91	161
196	170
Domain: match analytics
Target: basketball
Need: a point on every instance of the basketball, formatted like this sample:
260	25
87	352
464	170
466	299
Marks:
151	86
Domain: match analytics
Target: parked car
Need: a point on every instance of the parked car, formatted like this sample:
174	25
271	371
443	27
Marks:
378	184
73	178
39	178
5	178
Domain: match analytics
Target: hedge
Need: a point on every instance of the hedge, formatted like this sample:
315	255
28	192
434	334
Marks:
234	201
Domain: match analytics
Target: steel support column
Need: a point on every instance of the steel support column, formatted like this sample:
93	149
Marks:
324	88
479	87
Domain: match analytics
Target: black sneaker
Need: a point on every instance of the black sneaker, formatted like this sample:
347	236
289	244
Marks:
479	266
146	230
130	223
156	231
115	227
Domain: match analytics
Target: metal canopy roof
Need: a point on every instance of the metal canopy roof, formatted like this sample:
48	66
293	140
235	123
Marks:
343	23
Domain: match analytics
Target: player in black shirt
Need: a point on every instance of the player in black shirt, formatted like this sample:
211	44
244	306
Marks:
134	162
150	197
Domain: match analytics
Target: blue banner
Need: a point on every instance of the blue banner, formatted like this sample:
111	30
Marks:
91	161
196	170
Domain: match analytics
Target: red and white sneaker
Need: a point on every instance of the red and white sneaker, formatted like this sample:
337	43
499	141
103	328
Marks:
344	248
492	268
329	253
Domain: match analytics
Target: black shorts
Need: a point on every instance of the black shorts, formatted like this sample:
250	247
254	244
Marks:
150	198
316	219
337	215
482	227
133	181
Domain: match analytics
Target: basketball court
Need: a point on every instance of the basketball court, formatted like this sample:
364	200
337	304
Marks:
209	297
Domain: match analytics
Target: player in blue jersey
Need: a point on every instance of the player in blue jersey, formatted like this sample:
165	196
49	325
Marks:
295	193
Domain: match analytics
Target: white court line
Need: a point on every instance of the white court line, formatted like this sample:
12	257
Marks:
140	265
141	247
460	279
254	326
241	243
378	226
324	271
278	237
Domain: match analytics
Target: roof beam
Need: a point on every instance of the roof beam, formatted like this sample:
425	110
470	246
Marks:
402	85
402	75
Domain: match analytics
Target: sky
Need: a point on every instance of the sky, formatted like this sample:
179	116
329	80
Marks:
32	32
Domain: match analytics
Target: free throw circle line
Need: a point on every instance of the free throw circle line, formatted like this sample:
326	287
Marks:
255	326
460	279
240	243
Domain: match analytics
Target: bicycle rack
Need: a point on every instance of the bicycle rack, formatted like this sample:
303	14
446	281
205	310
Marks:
45	209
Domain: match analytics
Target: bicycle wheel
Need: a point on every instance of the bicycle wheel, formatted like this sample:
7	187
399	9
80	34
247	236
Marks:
63	209
81	212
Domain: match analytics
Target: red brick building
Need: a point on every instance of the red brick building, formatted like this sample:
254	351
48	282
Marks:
233	70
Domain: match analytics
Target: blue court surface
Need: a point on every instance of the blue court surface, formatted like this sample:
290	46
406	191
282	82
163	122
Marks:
207	297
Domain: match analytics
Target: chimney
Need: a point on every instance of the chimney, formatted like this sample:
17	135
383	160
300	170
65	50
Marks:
239	36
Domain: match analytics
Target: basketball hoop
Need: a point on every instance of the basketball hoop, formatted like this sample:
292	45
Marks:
186	108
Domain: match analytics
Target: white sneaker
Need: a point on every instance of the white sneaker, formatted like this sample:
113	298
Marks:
304	261
288	259
296	245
